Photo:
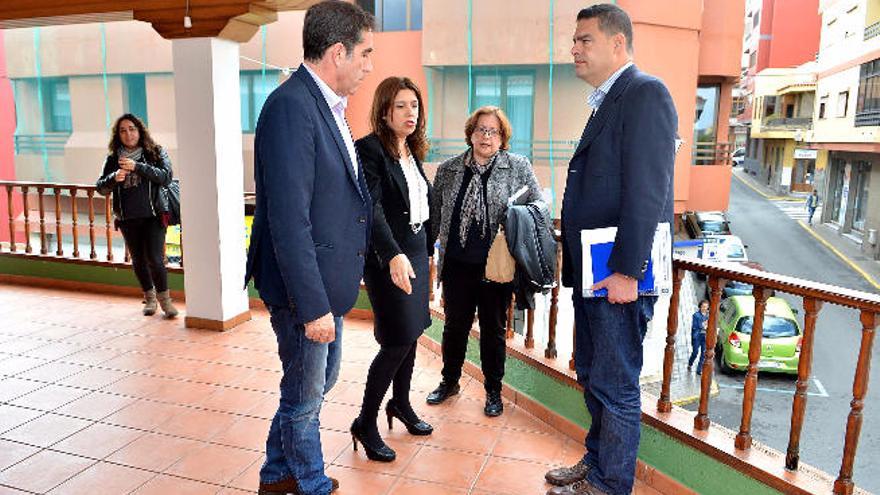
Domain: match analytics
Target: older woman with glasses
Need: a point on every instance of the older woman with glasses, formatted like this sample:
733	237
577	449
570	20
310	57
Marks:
470	198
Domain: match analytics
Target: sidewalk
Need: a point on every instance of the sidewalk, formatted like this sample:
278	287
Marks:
845	248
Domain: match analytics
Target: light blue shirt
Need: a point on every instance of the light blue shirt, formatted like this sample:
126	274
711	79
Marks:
596	98
337	106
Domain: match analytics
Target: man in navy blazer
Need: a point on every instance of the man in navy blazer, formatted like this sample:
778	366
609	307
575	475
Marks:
620	176
309	234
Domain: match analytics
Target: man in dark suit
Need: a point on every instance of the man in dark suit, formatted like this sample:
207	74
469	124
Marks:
620	176
309	235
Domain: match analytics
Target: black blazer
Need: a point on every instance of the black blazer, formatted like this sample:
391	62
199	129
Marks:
312	218
391	233
621	175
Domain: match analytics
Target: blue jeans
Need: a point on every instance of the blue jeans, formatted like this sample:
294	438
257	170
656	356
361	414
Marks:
293	449
608	361
698	344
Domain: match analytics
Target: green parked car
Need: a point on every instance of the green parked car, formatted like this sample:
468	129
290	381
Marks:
781	344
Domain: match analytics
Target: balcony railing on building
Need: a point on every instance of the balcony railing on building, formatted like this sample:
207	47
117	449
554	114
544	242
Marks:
711	153
872	30
787	123
37	144
54	217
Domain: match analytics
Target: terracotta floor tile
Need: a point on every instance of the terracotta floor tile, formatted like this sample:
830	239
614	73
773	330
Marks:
405	451
165	485
448	467
154	452
183	392
136	386
94	378
267	407
131	362
250	478
11	491
512	477
46	430
529	446
52	372
333	443
53	351
214	464
54	468
464	436
220	374
262	380
98	441
11	453
233	400
21	345
49	398
406	486
471	411
352	395
245	433
107	478
96	406
360	482
519	419
197	424
144	415
92	356
338	416
19	364
11	416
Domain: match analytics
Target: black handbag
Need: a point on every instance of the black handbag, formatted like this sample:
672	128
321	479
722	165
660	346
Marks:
171	200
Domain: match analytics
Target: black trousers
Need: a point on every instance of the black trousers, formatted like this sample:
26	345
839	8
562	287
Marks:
466	292
393	363
145	238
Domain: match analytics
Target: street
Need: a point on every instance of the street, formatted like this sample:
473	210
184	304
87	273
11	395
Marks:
783	246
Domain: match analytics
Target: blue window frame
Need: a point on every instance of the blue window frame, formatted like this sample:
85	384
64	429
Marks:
56	105
255	89
513	91
134	87
395	15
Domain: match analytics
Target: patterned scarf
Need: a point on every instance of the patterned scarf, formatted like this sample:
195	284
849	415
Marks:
137	154
473	206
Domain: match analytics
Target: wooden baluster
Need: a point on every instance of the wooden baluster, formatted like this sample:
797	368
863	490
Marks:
573	346
744	437
509	333
553	320
701	421
75	223
664	404
27	221
59	251
432	276
805	364
108	230
43	248
844	483
93	254
530	329
11	218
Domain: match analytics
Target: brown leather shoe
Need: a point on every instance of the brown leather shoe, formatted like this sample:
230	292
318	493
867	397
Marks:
567	475
288	486
582	487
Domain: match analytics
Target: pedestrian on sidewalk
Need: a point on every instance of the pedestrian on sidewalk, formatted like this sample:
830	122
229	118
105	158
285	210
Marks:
699	324
812	204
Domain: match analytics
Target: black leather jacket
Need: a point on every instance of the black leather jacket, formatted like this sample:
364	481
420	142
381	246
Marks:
529	233
158	173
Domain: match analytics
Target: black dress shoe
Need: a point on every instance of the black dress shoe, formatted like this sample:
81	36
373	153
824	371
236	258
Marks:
376	449
442	392
494	406
288	486
414	425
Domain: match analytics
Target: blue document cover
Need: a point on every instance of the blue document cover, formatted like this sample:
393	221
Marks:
597	245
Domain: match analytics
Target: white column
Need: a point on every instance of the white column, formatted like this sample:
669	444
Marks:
207	103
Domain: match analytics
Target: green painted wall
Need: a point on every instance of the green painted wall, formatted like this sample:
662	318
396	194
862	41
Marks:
689	466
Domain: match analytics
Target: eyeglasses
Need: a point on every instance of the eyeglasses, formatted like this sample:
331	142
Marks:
486	131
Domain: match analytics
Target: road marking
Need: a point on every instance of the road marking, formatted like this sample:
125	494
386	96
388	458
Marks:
840	255
774	390
821	388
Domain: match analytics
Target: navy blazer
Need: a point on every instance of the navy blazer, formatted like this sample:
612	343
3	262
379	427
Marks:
621	175
312	218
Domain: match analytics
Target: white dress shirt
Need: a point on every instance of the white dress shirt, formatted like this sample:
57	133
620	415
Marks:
337	106
418	192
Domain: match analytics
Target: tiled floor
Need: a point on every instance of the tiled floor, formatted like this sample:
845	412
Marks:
95	398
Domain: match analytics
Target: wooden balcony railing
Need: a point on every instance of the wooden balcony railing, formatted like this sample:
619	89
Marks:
710	153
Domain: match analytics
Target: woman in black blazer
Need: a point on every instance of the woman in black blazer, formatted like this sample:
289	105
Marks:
396	269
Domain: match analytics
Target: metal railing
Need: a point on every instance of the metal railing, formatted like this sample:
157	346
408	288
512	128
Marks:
872	30
788	123
35	144
711	153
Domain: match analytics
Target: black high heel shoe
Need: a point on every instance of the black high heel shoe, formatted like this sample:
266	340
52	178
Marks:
419	427
376	451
